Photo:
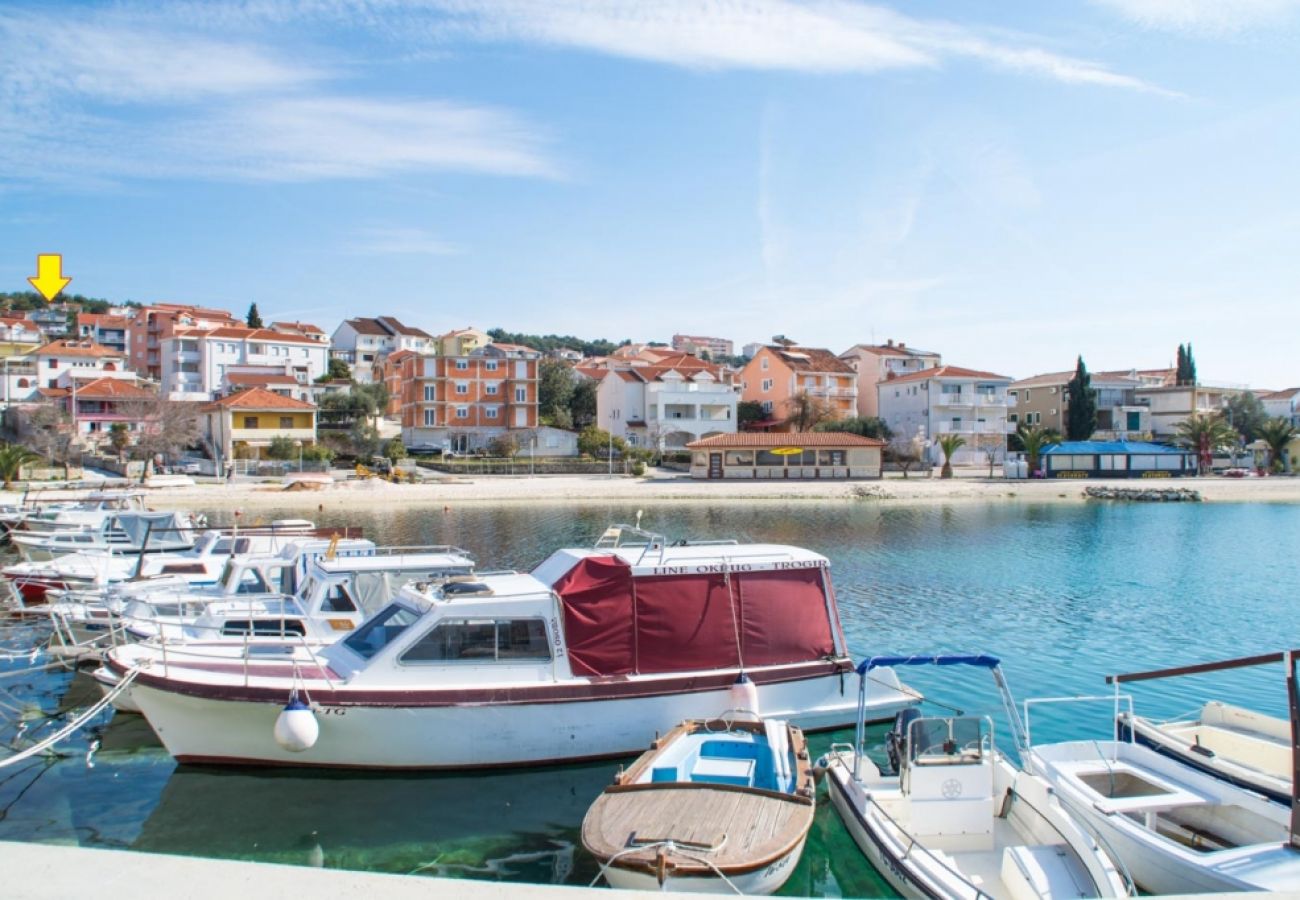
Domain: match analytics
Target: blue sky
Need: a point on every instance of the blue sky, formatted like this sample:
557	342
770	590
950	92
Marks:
1010	184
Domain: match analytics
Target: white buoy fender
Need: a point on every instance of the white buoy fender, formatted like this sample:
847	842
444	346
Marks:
744	695
296	728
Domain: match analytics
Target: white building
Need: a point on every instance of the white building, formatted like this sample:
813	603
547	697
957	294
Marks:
58	361
875	363
197	363
1283	404
364	343
949	400
665	407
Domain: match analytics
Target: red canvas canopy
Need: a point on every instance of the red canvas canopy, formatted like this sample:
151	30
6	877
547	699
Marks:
619	625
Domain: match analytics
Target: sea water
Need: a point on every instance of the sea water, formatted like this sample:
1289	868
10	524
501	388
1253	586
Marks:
1065	594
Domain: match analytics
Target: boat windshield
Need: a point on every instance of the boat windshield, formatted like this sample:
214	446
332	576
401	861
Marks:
380	631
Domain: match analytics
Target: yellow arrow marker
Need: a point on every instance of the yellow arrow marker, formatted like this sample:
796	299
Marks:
49	278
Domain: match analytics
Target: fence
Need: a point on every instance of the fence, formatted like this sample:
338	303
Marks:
474	465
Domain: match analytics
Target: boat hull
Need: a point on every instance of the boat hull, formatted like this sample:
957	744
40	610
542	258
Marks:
761	882
477	733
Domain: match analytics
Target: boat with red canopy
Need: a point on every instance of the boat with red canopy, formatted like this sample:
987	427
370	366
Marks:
590	655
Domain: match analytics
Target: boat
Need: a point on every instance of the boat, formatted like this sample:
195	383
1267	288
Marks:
123	533
1241	746
715	805
90	511
1177	829
588	656
953	817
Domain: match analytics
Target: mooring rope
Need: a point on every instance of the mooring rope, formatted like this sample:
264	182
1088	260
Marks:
75	724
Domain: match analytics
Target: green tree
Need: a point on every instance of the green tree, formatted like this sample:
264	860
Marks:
582	405
1278	434
254	319
803	411
119	438
364	438
1185	371
1246	413
395	449
949	444
1081	400
1205	433
505	446
338	371
866	426
748	412
282	447
593	441
555	387
12	459
1033	439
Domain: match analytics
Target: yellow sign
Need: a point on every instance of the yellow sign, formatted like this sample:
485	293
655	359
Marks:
787	451
340	624
49	278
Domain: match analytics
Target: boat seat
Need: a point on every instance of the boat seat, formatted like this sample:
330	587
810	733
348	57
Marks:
1043	871
720	770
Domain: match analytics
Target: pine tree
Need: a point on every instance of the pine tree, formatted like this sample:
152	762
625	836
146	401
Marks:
1191	365
254	317
1180	371
1081	417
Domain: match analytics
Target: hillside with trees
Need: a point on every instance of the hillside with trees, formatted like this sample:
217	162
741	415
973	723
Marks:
549	342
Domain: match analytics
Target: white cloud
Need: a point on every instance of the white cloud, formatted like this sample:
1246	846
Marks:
1209	17
392	241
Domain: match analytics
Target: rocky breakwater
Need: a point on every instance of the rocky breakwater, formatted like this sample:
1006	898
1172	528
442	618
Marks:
1143	494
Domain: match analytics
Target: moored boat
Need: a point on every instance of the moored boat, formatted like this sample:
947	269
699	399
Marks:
721	805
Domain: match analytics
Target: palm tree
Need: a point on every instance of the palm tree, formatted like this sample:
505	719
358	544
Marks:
949	444
1277	433
1034	439
1205	433
12	459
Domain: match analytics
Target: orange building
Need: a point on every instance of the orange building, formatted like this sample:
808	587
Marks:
779	371
462	402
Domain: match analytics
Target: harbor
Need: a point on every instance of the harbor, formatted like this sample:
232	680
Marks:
1063	593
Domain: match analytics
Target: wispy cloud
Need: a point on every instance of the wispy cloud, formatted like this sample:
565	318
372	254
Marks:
1205	17
377	241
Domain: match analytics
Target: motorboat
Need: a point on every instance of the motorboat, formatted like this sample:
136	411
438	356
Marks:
1241	746
951	816
588	656
722	805
1177	829
89	512
123	533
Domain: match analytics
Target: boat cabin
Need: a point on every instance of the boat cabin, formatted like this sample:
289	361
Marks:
947	777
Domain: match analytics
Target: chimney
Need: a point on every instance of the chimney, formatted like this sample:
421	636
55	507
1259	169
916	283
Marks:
889	343
902	346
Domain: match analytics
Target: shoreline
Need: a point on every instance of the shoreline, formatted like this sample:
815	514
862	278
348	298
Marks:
596	489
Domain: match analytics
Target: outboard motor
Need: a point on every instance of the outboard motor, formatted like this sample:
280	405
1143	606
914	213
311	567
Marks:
896	739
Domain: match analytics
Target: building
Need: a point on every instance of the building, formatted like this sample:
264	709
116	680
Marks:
365	343
80	359
949	400
463	342
197	363
697	345
875	363
801	455
749	351
460	403
1042	401
95	405
1170	404
664	406
779	371
18	336
568	354
302	329
1283	404
149	326
243	424
1116	459
52	321
106	329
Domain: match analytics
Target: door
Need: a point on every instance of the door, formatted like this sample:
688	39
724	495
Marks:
715	465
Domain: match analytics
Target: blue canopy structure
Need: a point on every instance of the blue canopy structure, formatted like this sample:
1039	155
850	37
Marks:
982	660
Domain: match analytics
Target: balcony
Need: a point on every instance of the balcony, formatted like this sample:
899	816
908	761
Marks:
970	398
264	435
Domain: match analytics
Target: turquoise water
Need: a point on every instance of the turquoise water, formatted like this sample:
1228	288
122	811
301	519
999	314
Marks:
1065	594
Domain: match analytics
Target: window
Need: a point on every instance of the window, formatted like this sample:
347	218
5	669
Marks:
54	363
252	582
250	421
429	393
492	388
462	364
830	457
380	631
491	411
1013	418
763	364
338	600
462	387
490	365
482	640
430	417
740	457
767	385
462	412
286	422
521	395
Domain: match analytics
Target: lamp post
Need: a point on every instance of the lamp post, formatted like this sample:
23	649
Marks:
299	443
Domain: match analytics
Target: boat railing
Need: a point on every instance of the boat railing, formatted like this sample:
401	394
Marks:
413	549
1120	702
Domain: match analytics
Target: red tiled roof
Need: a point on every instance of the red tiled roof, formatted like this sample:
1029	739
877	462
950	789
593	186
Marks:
243	333
257	379
384	326
298	326
811	359
1280	395
77	348
802	439
257	398
945	372
592	371
102	320
113	389
403	329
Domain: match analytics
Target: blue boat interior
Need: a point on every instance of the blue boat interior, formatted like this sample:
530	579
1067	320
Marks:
738	758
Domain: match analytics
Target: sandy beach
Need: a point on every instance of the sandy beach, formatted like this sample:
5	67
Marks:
671	487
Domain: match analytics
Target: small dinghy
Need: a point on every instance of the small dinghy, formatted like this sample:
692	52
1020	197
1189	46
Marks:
716	805
953	818
1240	746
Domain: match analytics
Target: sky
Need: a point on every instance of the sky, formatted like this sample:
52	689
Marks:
1010	184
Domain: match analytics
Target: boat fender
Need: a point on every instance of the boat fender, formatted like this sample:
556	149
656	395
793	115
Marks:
744	695
296	728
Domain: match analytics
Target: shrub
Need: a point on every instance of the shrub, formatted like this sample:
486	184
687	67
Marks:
638	468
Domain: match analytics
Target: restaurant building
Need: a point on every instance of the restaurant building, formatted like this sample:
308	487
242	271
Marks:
807	454
1116	459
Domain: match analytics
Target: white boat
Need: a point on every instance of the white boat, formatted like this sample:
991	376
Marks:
1177	829
954	818
1241	746
589	656
88	512
720	806
124	533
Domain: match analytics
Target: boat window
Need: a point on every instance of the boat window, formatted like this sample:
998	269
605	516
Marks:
338	600
380	631
263	627
482	640
252	582
943	741
221	547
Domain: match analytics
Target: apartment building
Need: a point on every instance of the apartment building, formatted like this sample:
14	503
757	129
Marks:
244	423
201	364
365	343
697	345
1043	401
106	329
462	341
949	400
664	406
459	403
95	404
1283	404
875	363
779	371
61	360
149	326
1169	404
18	336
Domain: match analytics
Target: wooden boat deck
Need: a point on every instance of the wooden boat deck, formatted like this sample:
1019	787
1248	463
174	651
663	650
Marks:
737	829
